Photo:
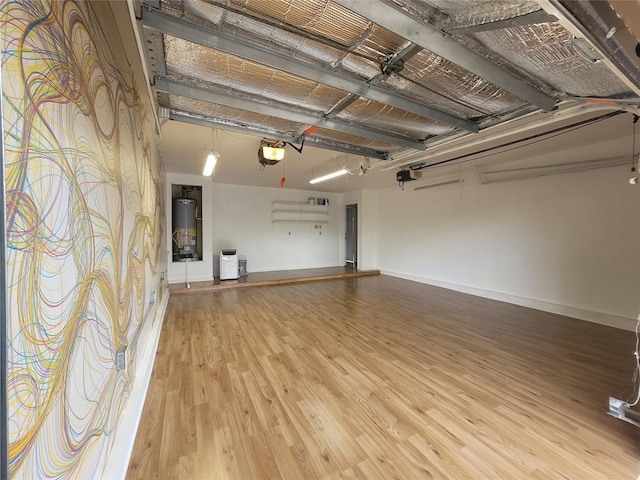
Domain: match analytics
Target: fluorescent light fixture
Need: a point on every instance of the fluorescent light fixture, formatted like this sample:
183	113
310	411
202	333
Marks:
448	182
272	153
212	159
520	173
327	177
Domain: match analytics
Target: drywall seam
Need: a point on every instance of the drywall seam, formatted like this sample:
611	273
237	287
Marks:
125	435
606	319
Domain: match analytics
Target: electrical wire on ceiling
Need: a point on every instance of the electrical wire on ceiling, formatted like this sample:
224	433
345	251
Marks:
343	165
364	166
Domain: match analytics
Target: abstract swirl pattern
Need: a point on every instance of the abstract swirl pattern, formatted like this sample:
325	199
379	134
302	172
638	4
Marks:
83	227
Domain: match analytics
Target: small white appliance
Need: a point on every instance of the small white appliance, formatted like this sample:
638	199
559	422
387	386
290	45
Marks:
228	264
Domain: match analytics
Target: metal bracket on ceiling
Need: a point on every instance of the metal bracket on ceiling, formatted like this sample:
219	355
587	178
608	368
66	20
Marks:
391	65
394	64
392	68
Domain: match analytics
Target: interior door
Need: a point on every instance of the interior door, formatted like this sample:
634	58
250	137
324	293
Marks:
351	236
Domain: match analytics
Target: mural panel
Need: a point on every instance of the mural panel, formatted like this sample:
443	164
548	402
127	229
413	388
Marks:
83	228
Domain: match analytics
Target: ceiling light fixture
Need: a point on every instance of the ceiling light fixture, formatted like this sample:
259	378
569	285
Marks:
441	184
270	152
212	158
273	153
329	176
498	175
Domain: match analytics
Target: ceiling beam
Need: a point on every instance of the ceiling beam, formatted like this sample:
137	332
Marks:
178	27
533	18
606	33
346	148
182	89
186	117
438	42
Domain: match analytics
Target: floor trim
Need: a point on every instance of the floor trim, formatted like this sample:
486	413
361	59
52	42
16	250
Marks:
260	279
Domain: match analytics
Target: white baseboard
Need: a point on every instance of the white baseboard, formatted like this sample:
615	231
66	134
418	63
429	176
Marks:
125	434
609	320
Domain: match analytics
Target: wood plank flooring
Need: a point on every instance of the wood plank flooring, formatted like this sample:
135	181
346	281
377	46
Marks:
382	378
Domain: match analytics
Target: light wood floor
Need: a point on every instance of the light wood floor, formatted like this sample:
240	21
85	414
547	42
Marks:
380	378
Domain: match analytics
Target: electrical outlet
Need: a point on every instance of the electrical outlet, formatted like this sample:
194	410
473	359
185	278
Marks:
161	275
121	358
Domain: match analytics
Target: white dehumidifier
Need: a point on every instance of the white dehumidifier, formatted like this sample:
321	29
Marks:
228	265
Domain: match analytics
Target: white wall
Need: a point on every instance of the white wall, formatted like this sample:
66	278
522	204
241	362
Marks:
565	243
242	220
201	270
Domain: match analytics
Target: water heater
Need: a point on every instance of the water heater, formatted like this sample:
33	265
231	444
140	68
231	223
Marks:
184	231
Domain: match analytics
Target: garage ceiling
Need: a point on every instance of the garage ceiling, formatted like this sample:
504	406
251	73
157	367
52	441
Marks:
387	79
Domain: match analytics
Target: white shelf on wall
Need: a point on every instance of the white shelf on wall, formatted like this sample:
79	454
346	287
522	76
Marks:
296	212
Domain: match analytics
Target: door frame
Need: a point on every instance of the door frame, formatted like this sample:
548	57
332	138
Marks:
354	208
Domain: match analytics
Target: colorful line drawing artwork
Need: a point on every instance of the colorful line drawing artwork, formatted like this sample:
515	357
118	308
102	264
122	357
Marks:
84	231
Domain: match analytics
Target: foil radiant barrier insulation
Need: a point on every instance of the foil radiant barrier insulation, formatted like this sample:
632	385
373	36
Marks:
260	122
427	77
294	42
386	118
448	14
322	20
546	51
327	21
457	85
212	66
234	116
404	86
